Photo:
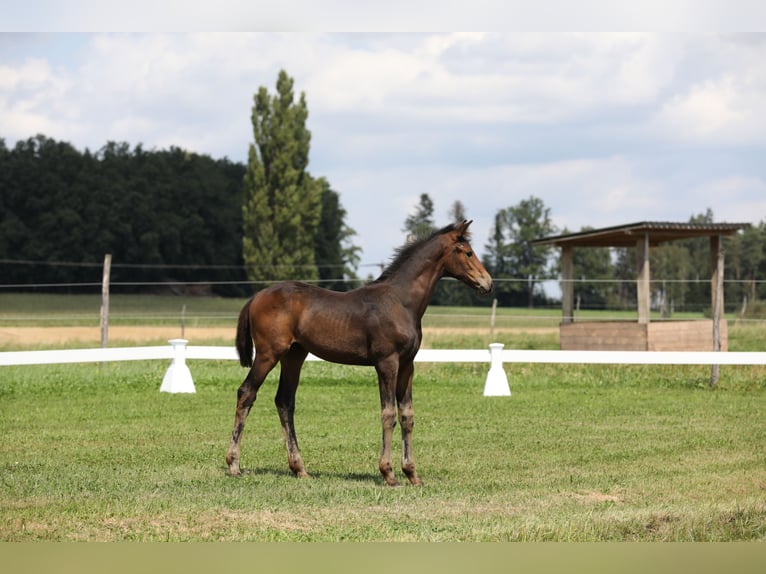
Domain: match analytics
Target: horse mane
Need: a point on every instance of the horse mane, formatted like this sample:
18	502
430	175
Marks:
407	251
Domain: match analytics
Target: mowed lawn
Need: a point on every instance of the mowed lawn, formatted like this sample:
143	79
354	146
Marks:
591	453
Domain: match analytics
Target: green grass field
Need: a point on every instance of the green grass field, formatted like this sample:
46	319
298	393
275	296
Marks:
578	453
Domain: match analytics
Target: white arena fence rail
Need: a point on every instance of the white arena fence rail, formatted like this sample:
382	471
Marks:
178	378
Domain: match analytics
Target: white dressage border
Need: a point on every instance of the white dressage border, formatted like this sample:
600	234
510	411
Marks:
178	378
98	355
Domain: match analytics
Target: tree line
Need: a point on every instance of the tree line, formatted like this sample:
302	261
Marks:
172	216
605	277
166	216
158	213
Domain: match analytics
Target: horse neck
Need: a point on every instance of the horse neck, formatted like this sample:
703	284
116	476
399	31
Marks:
416	280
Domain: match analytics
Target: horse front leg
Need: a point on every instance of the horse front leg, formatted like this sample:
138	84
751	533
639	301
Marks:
387	376
284	400
407	421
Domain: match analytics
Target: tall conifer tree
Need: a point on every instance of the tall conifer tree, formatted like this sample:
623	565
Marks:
421	223
282	202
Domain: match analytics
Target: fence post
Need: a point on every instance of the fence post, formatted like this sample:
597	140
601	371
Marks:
497	381
178	378
104	319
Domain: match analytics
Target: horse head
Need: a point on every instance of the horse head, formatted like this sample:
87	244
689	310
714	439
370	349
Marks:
461	262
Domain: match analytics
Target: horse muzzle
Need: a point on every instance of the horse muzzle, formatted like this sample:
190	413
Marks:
485	285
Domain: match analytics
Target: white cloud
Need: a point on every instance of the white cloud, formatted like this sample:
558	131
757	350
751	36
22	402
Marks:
727	111
605	128
32	99
737	198
490	78
350	15
467	80
353	80
725	104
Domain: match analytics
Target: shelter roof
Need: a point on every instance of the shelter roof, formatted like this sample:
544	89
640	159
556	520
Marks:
627	235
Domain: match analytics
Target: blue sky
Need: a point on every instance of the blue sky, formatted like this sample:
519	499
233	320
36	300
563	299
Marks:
605	128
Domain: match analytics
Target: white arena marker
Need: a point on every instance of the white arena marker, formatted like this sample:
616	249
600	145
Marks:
497	381
178	378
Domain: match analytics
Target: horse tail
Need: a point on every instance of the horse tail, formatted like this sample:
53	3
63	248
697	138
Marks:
244	339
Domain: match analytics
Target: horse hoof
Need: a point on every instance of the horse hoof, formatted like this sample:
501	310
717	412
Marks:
235	472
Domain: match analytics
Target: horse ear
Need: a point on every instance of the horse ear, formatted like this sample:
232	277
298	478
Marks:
462	227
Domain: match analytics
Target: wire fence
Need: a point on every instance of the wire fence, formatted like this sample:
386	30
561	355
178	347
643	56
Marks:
741	295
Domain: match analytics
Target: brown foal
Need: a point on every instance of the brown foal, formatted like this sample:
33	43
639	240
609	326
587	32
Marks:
378	325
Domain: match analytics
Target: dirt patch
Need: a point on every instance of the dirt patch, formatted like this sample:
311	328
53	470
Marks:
485	330
595	497
33	336
18	337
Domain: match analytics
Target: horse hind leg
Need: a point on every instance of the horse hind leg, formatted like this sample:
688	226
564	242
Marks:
284	400
246	396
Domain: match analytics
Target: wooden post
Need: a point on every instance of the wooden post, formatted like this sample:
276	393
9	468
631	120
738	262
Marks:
492	318
105	300
642	283
567	284
716	296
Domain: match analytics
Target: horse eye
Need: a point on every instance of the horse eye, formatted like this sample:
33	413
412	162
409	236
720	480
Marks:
469	254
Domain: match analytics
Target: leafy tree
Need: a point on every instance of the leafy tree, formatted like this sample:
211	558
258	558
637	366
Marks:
282	202
511	255
681	270
158	213
697	296
42	209
624	271
746	263
670	266
457	212
421	223
592	270
336	257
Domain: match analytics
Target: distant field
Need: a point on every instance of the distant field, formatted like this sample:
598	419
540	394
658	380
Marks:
34	309
54	321
24	309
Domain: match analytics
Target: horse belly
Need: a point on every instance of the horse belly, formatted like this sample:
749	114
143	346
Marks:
336	339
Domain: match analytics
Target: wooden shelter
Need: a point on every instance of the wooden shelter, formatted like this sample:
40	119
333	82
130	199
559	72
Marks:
643	335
